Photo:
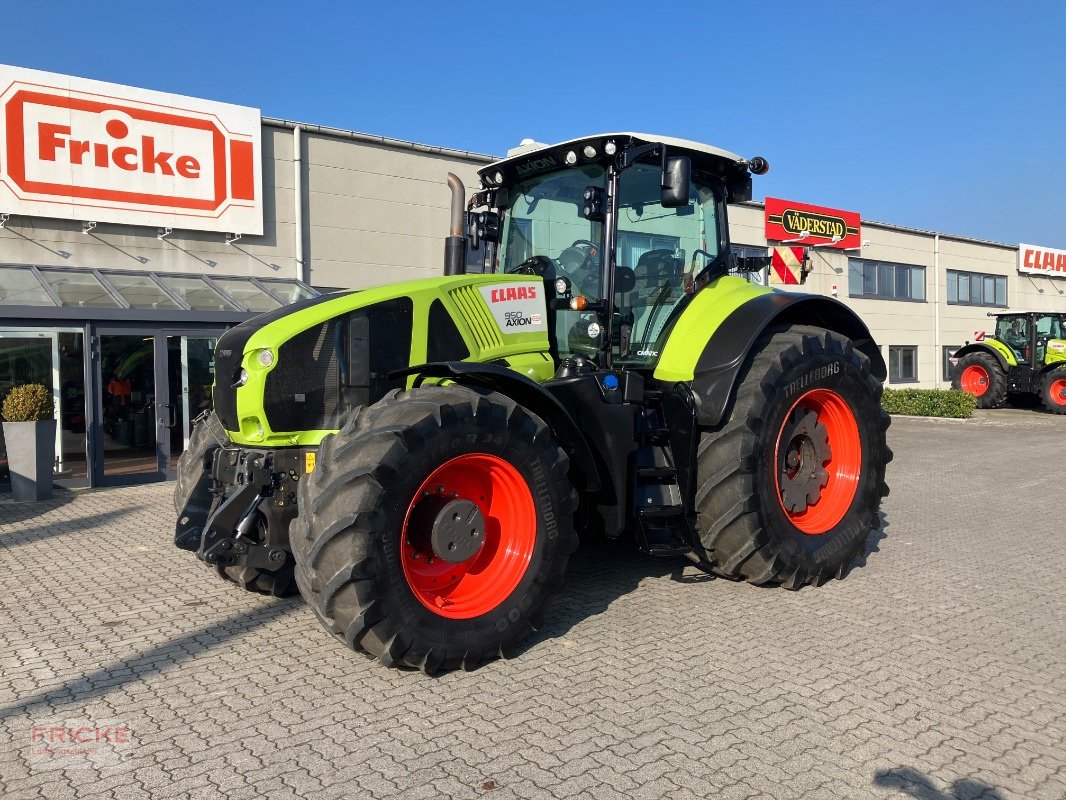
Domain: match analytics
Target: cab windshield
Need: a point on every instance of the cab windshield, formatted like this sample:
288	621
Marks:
658	252
544	233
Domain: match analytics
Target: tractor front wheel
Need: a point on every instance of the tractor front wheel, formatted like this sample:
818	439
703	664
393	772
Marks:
980	374
1053	391
435	528
789	486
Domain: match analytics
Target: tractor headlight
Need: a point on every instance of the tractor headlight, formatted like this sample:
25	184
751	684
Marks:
265	358
562	285
594	330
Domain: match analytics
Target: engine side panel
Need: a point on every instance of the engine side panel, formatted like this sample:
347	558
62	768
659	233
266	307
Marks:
304	370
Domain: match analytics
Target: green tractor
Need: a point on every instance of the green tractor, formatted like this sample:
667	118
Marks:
1027	355
418	458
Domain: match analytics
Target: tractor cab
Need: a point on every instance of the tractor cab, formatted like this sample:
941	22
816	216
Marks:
623	228
1028	334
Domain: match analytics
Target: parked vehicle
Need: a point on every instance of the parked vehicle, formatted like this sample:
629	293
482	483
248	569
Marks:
1027	354
418	458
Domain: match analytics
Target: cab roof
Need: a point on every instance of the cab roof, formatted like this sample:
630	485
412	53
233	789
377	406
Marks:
539	157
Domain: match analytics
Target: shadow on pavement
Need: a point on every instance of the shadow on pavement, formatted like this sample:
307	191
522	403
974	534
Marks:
873	541
62	527
921	787
159	658
12	512
598	574
601	571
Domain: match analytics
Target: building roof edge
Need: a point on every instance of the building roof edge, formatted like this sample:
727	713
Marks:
370	138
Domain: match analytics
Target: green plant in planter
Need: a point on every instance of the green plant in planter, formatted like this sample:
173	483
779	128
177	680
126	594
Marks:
30	402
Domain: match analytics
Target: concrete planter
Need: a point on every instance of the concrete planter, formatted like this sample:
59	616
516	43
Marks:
31	455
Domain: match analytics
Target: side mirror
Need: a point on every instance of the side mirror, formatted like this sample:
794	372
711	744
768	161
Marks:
676	182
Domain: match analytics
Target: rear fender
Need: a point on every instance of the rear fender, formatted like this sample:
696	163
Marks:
529	394
716	369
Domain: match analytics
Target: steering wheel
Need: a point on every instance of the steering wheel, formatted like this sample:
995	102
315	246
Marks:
541	266
544	267
576	259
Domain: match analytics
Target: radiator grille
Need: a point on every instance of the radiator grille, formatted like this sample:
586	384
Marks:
303	391
483	327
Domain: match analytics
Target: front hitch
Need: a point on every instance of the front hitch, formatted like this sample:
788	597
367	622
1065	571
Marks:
221	537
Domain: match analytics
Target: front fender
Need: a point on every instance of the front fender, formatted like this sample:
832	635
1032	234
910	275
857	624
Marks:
715	359
527	393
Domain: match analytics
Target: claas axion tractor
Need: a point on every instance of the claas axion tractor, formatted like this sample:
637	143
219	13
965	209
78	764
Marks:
1025	355
418	458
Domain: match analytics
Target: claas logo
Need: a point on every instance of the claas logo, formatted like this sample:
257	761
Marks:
502	295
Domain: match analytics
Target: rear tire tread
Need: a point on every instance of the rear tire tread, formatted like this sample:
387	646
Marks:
726	500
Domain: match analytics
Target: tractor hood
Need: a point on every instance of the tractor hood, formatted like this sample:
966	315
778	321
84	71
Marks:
291	376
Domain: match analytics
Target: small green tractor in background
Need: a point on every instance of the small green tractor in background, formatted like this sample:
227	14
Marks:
1026	355
418	458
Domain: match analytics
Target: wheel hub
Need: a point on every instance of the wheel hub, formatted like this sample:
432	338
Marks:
464	567
802	470
458	531
445	527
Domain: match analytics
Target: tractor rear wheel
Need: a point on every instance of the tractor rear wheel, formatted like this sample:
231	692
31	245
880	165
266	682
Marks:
789	487
1053	391
206	434
981	375
435	528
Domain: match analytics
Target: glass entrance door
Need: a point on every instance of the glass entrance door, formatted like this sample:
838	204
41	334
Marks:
150	386
132	396
52	358
190	374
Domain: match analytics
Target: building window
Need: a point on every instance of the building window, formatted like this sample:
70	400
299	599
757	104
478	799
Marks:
949	360
880	279
902	364
631	246
762	277
976	289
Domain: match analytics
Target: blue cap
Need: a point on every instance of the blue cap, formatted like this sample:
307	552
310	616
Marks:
610	382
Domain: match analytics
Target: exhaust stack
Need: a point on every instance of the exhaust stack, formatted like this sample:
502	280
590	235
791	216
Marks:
455	243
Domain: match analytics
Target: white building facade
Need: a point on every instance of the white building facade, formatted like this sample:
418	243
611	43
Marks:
135	227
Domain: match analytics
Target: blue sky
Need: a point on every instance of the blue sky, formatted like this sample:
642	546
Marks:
946	116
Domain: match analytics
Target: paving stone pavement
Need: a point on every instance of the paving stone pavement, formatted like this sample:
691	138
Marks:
936	671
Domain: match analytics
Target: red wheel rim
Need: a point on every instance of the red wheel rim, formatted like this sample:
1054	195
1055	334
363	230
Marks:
843	464
1058	391
974	380
483	581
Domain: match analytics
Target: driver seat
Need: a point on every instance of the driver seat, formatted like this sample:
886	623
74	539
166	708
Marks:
654	268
